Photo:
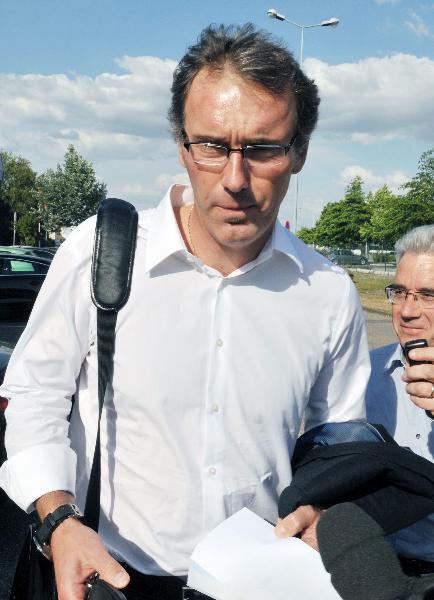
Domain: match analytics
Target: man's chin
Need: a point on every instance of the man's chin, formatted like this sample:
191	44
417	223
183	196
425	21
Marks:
410	333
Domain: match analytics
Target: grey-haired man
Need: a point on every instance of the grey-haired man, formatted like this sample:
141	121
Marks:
399	396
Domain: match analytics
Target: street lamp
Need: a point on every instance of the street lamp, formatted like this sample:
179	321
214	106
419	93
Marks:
333	22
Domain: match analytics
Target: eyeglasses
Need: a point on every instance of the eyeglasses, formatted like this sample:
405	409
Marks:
398	295
256	155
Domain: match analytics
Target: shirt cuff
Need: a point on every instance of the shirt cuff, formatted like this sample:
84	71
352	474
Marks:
36	471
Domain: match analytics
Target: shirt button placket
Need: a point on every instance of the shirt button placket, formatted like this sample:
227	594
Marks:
215	442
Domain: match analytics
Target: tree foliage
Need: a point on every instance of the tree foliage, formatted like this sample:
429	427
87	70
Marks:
381	226
17	194
70	193
341	223
307	234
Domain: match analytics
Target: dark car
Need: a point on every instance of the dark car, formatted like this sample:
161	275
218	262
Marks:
346	257
21	278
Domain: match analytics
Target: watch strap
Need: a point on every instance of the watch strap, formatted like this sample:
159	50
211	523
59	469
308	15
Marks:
42	535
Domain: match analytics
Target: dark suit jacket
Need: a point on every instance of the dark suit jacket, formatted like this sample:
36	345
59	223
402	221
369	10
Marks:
392	484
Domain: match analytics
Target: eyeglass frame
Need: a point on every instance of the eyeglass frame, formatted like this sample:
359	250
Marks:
287	147
393	288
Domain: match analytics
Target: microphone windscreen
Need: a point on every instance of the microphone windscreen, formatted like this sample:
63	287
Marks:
362	564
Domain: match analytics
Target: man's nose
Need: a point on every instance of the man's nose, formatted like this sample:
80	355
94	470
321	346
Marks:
235	173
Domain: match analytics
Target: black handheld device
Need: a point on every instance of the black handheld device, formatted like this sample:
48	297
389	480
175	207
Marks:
101	590
410	346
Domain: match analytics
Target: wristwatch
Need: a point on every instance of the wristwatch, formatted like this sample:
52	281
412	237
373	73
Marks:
42	535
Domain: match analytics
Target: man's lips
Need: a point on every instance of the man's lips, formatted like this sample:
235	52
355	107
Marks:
411	330
236	207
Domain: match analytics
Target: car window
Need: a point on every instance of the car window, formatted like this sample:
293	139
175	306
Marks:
22	266
16	266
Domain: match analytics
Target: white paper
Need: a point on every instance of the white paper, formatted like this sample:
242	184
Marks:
242	559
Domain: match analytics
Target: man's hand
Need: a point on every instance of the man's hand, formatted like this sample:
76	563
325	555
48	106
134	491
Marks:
77	554
302	521
420	379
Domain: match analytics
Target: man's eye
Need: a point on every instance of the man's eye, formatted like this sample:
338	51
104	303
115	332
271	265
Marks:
427	298
211	149
263	152
400	293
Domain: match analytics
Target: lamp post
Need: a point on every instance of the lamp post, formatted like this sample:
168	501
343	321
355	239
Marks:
333	22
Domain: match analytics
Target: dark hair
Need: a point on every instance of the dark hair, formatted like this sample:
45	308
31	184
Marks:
256	57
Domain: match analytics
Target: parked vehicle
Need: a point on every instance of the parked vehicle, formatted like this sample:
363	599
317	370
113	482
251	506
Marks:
346	257
21	278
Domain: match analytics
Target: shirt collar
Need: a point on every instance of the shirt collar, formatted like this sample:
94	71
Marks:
165	239
396	359
284	241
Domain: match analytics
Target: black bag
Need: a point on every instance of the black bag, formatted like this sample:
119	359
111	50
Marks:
34	575
112	267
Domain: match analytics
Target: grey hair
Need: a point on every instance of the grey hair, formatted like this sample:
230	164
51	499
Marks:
255	56
419	240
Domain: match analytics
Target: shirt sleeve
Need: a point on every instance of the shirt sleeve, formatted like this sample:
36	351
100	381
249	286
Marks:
339	391
41	380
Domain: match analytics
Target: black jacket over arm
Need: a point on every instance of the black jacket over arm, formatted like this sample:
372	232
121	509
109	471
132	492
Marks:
390	483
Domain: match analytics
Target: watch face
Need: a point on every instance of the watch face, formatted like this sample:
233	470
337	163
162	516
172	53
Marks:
43	548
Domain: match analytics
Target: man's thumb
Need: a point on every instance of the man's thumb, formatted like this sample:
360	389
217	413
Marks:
114	574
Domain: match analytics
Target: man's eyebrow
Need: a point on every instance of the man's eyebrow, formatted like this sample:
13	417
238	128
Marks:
251	142
425	291
208	138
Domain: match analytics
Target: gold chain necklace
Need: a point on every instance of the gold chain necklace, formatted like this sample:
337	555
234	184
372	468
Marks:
190	239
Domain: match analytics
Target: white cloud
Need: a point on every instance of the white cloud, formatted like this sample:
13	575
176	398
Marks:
153	189
373	181
387	1
123	113
376	98
418	26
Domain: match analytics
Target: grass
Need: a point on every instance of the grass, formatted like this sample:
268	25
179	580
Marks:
371	291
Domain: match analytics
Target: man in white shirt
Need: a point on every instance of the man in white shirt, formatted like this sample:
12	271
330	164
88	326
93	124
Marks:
233	331
399	396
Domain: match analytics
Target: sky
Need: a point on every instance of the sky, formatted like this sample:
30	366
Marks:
97	74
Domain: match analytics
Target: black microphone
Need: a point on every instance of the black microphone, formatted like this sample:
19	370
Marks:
362	564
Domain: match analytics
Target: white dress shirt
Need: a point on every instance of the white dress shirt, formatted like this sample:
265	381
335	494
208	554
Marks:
388	403
212	376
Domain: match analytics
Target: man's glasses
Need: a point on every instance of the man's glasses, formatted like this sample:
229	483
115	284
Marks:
256	155
398	295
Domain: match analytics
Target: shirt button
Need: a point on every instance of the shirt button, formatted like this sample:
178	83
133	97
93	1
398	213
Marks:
418	436
219	343
215	408
212	471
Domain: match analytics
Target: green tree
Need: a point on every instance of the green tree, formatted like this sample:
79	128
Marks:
327	230
17	194
341	223
70	193
307	234
417	206
382	225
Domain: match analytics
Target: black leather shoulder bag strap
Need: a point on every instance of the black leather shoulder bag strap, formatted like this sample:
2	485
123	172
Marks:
112	269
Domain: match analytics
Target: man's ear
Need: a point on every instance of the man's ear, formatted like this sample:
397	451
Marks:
299	158
181	151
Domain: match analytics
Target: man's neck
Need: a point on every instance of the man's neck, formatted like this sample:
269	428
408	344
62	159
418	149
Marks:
224	259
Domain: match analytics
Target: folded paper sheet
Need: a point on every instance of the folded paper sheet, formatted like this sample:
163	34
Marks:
242	559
